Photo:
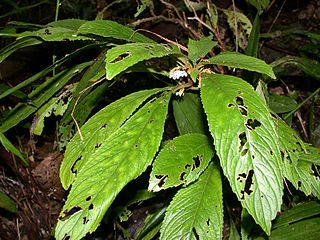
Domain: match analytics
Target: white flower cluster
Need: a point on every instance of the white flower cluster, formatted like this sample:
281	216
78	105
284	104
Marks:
176	74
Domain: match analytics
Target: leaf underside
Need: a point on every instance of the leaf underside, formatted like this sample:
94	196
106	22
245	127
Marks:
122	157
246	143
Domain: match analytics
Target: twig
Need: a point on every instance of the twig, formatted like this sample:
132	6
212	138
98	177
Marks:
164	38
76	103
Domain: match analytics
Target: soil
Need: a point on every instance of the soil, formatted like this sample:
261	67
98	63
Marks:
36	190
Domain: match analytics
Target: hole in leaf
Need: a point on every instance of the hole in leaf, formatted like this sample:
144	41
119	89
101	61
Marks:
299	184
252	124
187	166
316	171
72	211
47	32
252	156
88	198
97	145
230	105
243	140
208	222
182	176
196	161
104	126
244	152
162	179
73	170
120	57
271	152
243	111
85	220
241	176
66	237
248	184
91	206
151	120
195	233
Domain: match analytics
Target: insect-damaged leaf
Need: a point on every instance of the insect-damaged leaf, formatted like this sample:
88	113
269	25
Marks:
124	56
304	175
196	212
181	161
98	130
121	158
247	144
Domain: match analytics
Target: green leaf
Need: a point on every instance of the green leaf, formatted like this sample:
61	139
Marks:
196	212
260	5
303	175
307	229
281	104
121	157
240	25
179	163
199	48
297	213
110	29
310	67
237	60
96	130
56	106
7	203
10	147
16	45
188	114
72	24
121	57
253	43
246	142
39	96
55	34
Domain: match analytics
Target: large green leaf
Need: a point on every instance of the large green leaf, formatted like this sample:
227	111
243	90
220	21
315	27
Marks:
304	175
188	114
179	163
110	29
196	212
124	56
61	30
246	142
121	157
7	203
237	60
96	130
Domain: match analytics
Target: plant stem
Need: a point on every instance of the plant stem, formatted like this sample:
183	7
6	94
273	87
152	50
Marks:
301	104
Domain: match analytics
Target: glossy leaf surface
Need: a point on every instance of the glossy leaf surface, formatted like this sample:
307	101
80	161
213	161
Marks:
247	144
124	56
120	158
196	212
97	130
237	60
110	29
181	161
188	114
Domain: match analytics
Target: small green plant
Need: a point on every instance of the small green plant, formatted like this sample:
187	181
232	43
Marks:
226	129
